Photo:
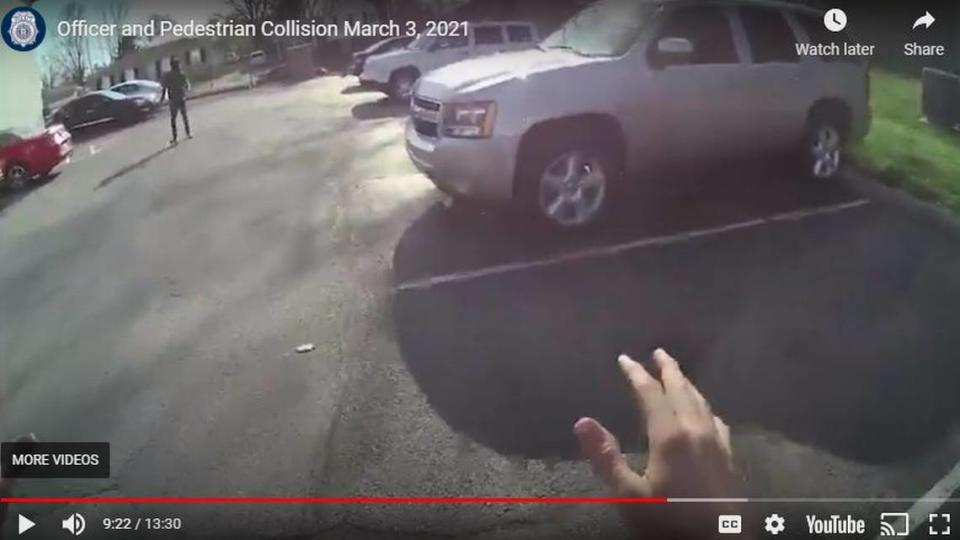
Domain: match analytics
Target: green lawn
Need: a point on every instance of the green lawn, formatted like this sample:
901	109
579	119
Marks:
906	152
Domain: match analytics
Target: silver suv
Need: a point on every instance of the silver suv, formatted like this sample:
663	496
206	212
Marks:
396	72
624	84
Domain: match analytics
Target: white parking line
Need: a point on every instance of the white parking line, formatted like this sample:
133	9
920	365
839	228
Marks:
935	498
614	249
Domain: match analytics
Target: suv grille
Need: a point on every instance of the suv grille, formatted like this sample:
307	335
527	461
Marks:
427	104
426	116
427	129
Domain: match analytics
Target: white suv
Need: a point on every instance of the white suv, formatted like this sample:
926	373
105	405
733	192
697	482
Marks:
627	83
396	72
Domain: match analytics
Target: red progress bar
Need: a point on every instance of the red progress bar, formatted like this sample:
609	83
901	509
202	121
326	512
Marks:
333	500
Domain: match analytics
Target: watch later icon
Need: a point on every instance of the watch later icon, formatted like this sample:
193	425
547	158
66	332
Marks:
835	20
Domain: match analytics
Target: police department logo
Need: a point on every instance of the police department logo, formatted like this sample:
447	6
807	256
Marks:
23	29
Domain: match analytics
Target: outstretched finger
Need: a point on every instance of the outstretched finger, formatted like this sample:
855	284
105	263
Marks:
601	448
649	395
723	432
677	388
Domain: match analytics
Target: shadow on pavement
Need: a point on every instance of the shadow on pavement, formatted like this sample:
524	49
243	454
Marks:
383	108
135	165
9	197
836	331
357	89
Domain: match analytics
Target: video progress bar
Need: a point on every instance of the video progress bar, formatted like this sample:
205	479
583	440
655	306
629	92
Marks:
333	500
939	500
463	500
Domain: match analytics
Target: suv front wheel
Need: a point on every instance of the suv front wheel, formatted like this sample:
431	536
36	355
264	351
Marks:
824	146
570	181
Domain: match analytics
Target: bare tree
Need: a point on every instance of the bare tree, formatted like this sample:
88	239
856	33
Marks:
49	70
156	19
315	10
115	12
253	11
73	57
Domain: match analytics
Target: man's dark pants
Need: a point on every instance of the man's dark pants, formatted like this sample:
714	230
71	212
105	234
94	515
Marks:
178	105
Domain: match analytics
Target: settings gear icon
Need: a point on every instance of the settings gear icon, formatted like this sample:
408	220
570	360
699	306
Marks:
774	524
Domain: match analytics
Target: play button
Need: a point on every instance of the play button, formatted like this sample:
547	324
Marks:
24	524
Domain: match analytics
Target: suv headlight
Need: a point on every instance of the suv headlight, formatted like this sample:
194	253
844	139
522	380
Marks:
469	120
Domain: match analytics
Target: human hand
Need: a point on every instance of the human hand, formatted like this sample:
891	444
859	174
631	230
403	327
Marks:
689	454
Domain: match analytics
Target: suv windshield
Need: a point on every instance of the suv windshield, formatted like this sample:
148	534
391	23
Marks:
421	43
607	28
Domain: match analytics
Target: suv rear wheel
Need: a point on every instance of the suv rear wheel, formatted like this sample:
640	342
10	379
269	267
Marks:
569	181
824	144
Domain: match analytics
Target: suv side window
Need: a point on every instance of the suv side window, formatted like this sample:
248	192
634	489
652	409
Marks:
519	34
450	42
770	36
488	35
708	30
819	35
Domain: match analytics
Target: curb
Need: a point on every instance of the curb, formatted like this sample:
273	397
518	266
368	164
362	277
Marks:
922	211
218	91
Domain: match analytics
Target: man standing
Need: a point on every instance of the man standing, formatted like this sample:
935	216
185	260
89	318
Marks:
175	86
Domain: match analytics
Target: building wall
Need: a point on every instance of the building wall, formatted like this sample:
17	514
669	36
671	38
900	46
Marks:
198	58
21	99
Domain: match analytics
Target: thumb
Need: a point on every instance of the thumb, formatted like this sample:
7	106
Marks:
601	448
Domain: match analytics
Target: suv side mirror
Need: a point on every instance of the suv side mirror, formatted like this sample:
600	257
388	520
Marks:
673	51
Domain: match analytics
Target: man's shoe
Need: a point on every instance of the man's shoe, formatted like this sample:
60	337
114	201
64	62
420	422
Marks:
189	136
173	142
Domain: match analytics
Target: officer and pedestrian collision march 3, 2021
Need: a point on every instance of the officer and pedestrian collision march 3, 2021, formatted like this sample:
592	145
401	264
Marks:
194	29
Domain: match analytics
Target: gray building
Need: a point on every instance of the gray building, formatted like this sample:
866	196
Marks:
200	59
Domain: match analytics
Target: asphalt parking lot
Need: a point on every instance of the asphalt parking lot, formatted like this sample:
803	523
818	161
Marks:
153	298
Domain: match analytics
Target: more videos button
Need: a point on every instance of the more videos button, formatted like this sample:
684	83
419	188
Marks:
55	460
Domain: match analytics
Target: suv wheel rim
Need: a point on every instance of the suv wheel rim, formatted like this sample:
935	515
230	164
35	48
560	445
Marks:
572	189
825	150
404	86
17	175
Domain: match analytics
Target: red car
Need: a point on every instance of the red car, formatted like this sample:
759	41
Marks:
25	157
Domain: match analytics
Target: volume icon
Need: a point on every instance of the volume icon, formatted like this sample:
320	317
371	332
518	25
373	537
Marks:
75	524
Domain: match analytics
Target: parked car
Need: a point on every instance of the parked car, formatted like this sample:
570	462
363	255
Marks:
100	107
380	47
625	84
257	58
151	91
396	72
26	156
